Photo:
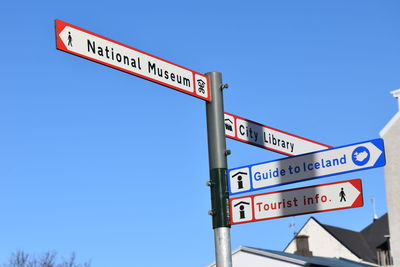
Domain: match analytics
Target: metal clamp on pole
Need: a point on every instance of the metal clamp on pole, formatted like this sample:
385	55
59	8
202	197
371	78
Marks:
219	198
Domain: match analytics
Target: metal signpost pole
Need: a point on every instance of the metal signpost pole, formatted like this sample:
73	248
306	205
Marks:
218	172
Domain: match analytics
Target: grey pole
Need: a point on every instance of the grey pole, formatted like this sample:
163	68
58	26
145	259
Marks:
218	168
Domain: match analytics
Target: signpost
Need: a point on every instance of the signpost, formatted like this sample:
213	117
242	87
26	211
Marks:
225	211
266	137
94	47
298	201
218	169
354	157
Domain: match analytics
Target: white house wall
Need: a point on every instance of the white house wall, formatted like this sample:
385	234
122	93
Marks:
246	259
322	243
391	137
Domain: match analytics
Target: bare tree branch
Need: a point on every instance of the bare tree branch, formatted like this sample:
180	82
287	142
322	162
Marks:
47	259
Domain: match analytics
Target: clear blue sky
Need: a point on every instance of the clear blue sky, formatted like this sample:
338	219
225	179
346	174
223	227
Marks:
113	167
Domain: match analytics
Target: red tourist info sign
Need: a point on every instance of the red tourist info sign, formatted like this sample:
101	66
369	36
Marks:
266	137
80	42
298	201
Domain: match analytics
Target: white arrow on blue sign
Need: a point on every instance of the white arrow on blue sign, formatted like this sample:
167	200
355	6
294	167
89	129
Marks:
338	160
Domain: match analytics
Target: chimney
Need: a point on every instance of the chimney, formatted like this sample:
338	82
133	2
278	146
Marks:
302	246
396	94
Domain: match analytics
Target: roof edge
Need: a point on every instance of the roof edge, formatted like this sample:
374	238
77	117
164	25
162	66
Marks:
344	245
389	125
272	255
309	219
214	263
323	226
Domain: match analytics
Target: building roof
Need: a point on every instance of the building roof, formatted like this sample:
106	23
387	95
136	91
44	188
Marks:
364	243
306	261
354	241
376	233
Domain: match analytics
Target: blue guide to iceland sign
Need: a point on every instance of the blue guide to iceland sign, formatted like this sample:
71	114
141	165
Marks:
338	160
